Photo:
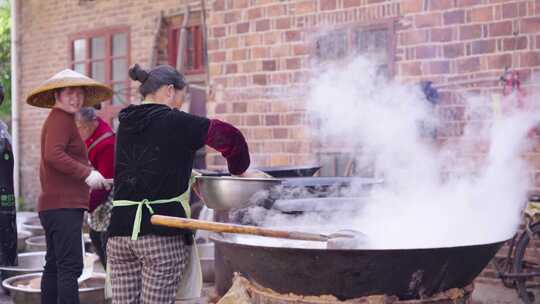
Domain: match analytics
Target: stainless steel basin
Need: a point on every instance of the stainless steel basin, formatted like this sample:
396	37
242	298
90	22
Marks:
91	291
22	236
227	192
36	243
29	262
33	225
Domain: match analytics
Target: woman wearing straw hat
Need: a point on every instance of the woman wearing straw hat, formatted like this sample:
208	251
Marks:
66	178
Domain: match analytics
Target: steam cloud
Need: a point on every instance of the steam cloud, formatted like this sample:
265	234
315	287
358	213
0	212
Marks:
433	195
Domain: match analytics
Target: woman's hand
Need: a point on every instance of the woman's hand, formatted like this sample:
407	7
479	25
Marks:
96	181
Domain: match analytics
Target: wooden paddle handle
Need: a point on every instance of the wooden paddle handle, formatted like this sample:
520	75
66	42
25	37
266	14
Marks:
178	222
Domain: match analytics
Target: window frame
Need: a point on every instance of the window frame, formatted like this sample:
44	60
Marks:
351	30
108	58
197	50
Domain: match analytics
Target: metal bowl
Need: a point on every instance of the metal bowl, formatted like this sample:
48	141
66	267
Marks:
29	262
33	225
36	243
22	236
226	192
91	293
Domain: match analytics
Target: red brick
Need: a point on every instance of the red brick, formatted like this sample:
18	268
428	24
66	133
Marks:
327	5
242	27
305	7
482	14
428	20
260	79
426	52
239	107
221	108
440	4
231	17
468	65
411	69
509	10
276	10
454	50
219	31
293	63
301	49
283	23
511	44
291	36
231	68
240	81
413	37
441	34
462	3
271	120
470	32
240	3
294	119
500	29
269	65
231	42
482	47
254	13
411	6
454	17
271	38
279	79
219	5
529	59
522	9
253	120
217	56
262	25
530	25
351	3
439	67
239	55
499	61
280	133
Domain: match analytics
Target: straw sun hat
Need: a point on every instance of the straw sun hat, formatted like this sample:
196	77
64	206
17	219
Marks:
95	92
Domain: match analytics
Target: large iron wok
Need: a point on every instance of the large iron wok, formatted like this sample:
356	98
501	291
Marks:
346	274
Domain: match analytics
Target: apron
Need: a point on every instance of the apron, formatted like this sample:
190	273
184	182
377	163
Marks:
191	283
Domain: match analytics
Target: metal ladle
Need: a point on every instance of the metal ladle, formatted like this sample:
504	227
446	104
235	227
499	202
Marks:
342	239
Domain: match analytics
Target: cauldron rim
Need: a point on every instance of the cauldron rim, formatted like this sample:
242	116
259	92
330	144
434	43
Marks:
224	239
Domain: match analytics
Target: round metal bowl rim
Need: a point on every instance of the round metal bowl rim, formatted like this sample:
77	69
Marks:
30	226
218	238
34	242
24	232
16	268
276	180
7	283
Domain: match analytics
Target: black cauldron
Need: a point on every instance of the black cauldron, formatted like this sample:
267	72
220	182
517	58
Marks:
346	274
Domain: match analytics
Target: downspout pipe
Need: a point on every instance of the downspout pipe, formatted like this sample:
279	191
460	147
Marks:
15	98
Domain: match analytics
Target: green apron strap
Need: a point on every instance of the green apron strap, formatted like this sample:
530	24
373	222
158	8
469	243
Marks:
183	199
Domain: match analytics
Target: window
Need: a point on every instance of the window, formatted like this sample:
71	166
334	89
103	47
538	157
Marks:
194	50
376	42
104	56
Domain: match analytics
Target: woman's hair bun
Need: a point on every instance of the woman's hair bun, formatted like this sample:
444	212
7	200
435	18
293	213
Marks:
138	74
